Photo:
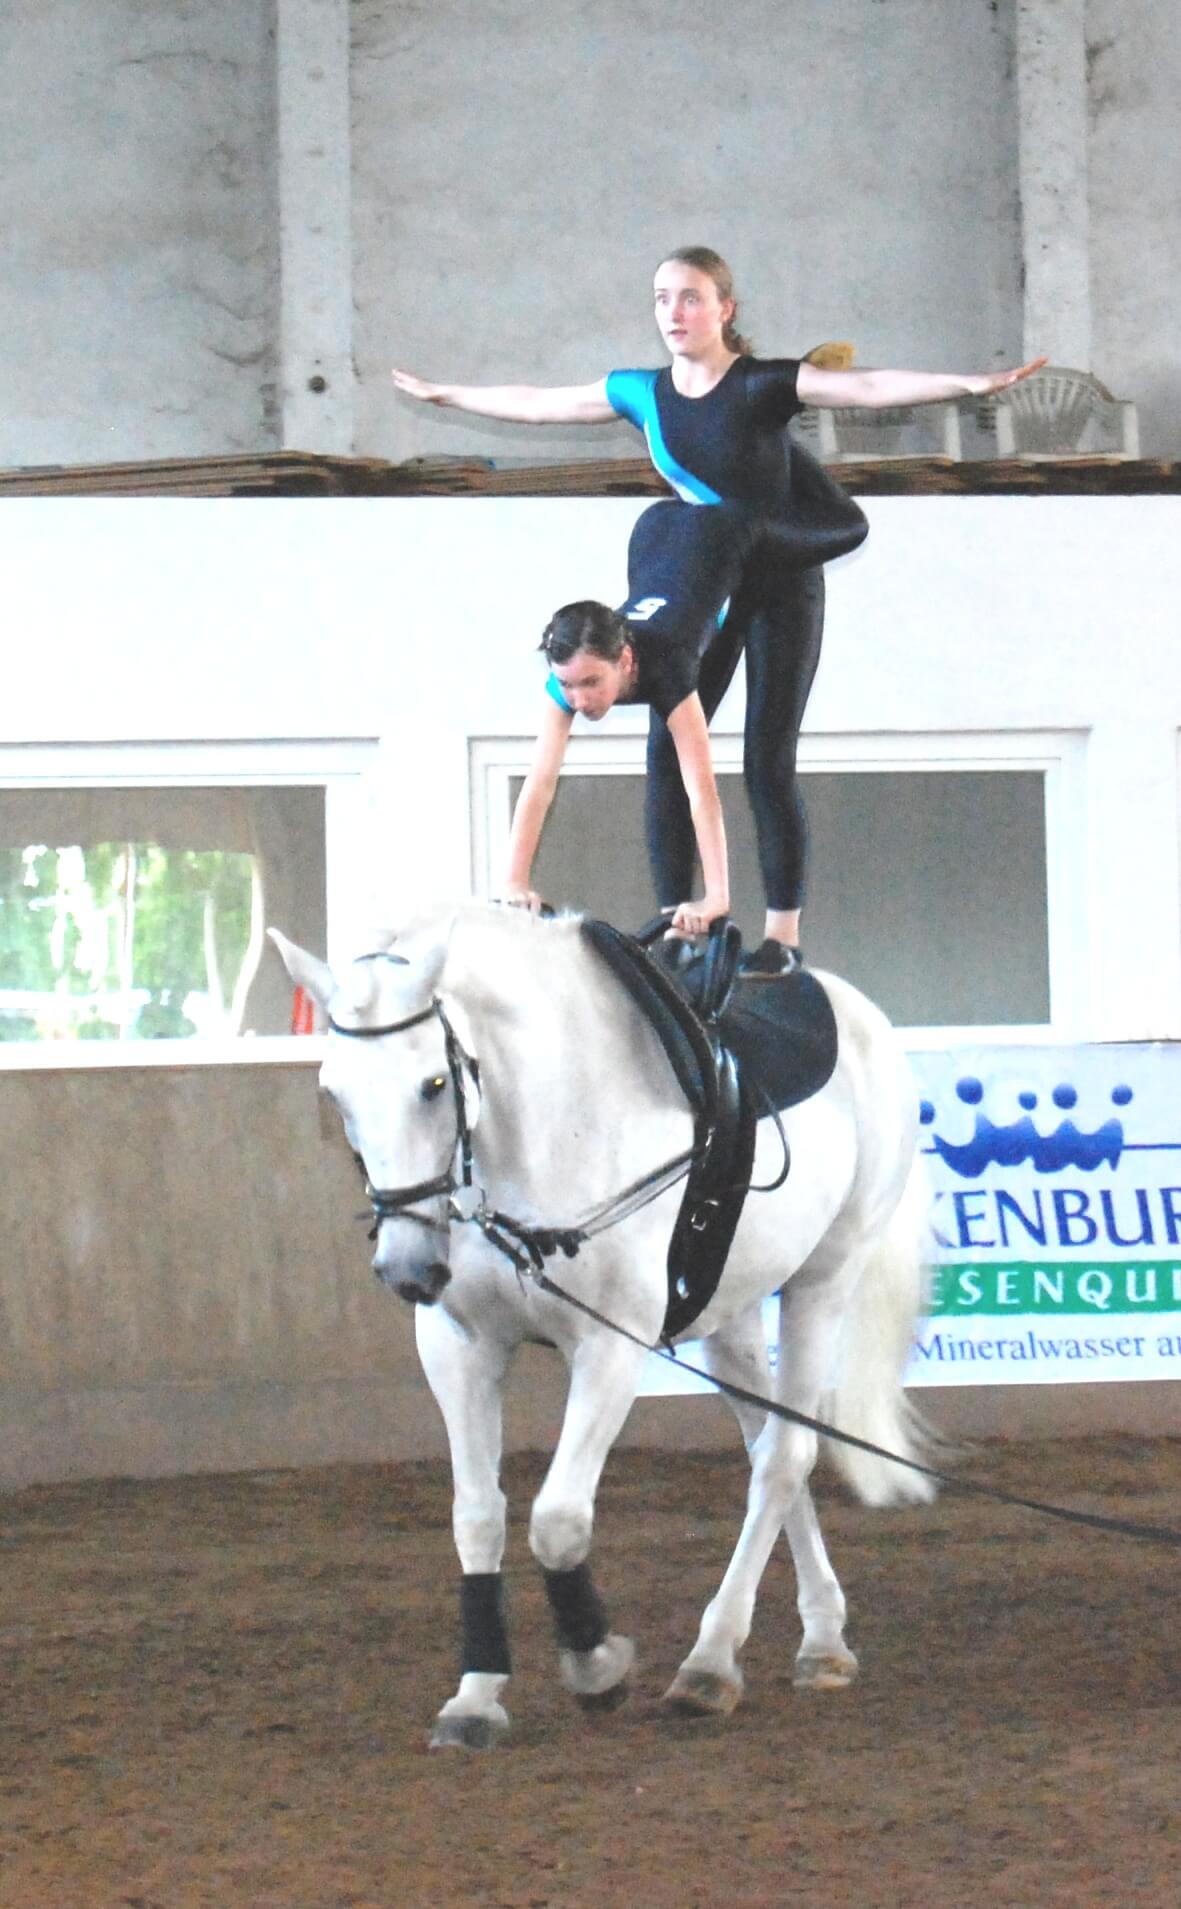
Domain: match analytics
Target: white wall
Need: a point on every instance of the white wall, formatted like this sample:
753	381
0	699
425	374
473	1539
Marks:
415	619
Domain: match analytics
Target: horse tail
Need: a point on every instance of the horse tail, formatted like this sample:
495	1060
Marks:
868	1399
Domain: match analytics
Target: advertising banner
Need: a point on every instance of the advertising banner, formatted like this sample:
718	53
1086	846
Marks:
1056	1183
1056	1218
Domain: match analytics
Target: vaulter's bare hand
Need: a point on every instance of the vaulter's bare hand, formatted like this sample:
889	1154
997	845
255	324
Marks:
525	898
694	917
420	388
989	382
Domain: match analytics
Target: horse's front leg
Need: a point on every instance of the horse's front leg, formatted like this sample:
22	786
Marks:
594	1661
466	1376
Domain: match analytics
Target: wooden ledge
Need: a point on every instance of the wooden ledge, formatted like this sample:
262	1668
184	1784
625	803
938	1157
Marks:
308	474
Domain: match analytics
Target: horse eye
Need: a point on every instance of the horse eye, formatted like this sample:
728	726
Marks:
433	1086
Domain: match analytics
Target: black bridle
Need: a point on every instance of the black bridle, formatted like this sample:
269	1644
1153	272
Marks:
389	1203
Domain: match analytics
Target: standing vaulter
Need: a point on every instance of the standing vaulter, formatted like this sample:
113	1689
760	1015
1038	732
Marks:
742	575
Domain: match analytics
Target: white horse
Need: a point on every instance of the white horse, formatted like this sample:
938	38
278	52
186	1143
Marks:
495	1036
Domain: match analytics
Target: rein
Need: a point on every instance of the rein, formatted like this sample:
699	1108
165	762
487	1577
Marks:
535	1244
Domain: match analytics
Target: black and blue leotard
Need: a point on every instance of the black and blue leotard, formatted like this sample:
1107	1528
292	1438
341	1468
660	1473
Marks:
742	574
725	447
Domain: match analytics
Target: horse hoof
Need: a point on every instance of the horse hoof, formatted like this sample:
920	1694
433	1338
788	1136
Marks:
602	1702
595	1677
702	1693
470	1732
825	1670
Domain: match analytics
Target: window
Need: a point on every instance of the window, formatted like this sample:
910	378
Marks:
944	871
133	910
141	913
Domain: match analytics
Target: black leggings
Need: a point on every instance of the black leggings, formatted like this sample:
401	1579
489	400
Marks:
776	615
777	618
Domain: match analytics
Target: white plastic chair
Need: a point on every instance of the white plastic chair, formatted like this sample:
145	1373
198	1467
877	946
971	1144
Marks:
1059	412
920	430
857	436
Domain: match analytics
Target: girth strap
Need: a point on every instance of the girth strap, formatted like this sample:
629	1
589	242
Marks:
712	1207
726	1114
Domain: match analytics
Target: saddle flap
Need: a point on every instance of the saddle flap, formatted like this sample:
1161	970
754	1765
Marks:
781	1029
677	1027
783	1033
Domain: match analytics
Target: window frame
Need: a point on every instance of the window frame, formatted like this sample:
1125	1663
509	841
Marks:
1059	755
340	766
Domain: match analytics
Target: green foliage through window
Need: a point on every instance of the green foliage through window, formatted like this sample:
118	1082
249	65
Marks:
125	940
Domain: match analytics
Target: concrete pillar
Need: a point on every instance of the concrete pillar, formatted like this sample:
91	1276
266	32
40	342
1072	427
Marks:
315	236
1052	157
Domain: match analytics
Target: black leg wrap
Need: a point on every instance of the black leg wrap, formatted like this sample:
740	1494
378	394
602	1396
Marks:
485	1638
579	1617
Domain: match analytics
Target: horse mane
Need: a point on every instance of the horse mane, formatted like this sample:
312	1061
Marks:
483	939
520	922
470	912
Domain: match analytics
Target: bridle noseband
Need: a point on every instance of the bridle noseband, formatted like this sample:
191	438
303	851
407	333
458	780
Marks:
388	1203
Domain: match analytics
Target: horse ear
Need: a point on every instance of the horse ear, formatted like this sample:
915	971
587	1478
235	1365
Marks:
426	945
305	969
427	958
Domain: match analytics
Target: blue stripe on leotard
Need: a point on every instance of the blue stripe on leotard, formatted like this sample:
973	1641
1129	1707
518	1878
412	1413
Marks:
554	688
633	395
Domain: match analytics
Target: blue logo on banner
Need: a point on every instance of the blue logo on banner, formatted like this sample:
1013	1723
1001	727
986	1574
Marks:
1020	1141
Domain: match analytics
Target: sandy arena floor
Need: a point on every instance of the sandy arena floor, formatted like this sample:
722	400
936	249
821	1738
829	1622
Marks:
217	1692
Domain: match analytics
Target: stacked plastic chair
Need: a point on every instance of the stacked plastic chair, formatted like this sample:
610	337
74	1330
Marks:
1059	412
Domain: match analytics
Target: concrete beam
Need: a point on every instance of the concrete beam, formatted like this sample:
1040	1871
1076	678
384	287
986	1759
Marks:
1052	159
315	225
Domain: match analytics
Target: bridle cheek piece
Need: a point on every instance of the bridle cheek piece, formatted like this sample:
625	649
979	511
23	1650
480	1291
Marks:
389	1203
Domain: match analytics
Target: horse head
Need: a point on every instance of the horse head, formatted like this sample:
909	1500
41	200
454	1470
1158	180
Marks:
407	1095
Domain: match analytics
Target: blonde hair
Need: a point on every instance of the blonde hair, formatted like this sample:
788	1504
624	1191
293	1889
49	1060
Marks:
702	258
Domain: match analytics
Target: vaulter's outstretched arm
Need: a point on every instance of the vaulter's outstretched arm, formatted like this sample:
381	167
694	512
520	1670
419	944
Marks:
533	805
875	390
518	403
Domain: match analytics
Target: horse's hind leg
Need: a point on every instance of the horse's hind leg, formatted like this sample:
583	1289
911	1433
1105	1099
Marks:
594	1660
710	1679
824	1660
466	1376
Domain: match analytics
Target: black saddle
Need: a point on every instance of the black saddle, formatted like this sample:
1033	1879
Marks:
740	1049
780	1029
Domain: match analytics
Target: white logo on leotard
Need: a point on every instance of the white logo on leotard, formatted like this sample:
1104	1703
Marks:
646	607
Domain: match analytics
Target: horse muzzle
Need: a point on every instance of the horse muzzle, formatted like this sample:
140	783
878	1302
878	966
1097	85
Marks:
405	1261
419	1283
420	1289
